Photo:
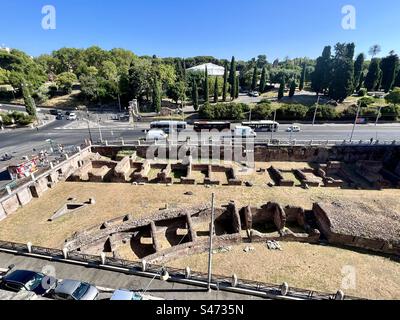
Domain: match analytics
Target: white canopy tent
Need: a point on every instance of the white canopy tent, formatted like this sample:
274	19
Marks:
212	69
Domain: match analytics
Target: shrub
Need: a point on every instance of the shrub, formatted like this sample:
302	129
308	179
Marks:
390	113
324	112
362	92
262	111
224	111
292	112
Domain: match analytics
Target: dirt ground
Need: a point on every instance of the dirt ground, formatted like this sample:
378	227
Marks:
315	267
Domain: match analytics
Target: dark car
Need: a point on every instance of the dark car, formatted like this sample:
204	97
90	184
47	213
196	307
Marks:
60	117
35	282
54	112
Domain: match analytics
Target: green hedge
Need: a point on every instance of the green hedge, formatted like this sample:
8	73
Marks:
224	111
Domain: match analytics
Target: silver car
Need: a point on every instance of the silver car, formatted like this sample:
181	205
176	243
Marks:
75	290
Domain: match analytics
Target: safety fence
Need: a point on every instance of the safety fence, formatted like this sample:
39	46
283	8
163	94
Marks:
218	282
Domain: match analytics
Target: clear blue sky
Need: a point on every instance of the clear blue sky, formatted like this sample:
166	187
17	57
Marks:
221	28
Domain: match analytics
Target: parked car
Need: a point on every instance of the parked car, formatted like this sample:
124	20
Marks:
28	280
54	112
293	129
126	295
72	116
75	290
60	117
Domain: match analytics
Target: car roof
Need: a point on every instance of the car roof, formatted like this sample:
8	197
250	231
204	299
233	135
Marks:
67	286
21	276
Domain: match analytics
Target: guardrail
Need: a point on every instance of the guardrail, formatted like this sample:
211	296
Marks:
219	282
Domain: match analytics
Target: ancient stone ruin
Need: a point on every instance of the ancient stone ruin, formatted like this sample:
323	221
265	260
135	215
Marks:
175	233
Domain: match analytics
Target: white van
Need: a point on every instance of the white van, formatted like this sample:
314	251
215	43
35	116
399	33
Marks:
293	128
155	135
244	132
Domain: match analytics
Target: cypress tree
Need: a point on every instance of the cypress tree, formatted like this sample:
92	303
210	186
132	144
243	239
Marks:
216	90
232	78
361	81
389	67
358	67
156	96
303	77
322	75
397	81
254	80
30	105
343	72
206	89
263	80
281	92
372	78
225	87
195	95
292	88
237	87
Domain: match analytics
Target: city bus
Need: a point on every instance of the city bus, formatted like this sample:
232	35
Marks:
262	126
167	126
207	125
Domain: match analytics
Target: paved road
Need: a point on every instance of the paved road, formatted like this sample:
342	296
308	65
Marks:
23	141
117	280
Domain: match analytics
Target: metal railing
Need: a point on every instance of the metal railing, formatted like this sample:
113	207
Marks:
219	282
257	141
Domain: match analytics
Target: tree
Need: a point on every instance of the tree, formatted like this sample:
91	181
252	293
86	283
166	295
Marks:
281	92
263	80
237	87
372	78
358	68
30	105
389	67
397	81
374	50
225	86
303	77
321	77
393	97
65	81
195	95
232	78
343	72
206	88
156	101
216	90
254	79
292	88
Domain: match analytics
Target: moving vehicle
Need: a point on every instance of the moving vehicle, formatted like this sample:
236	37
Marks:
72	116
293	128
254	94
244	132
75	290
126	295
169	126
155	135
262	126
31	281
208	125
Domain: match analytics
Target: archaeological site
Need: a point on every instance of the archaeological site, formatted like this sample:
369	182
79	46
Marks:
315	203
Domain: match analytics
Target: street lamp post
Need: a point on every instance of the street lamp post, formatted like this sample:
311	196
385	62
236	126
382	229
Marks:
377	120
273	126
100	133
355	121
315	112
210	251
